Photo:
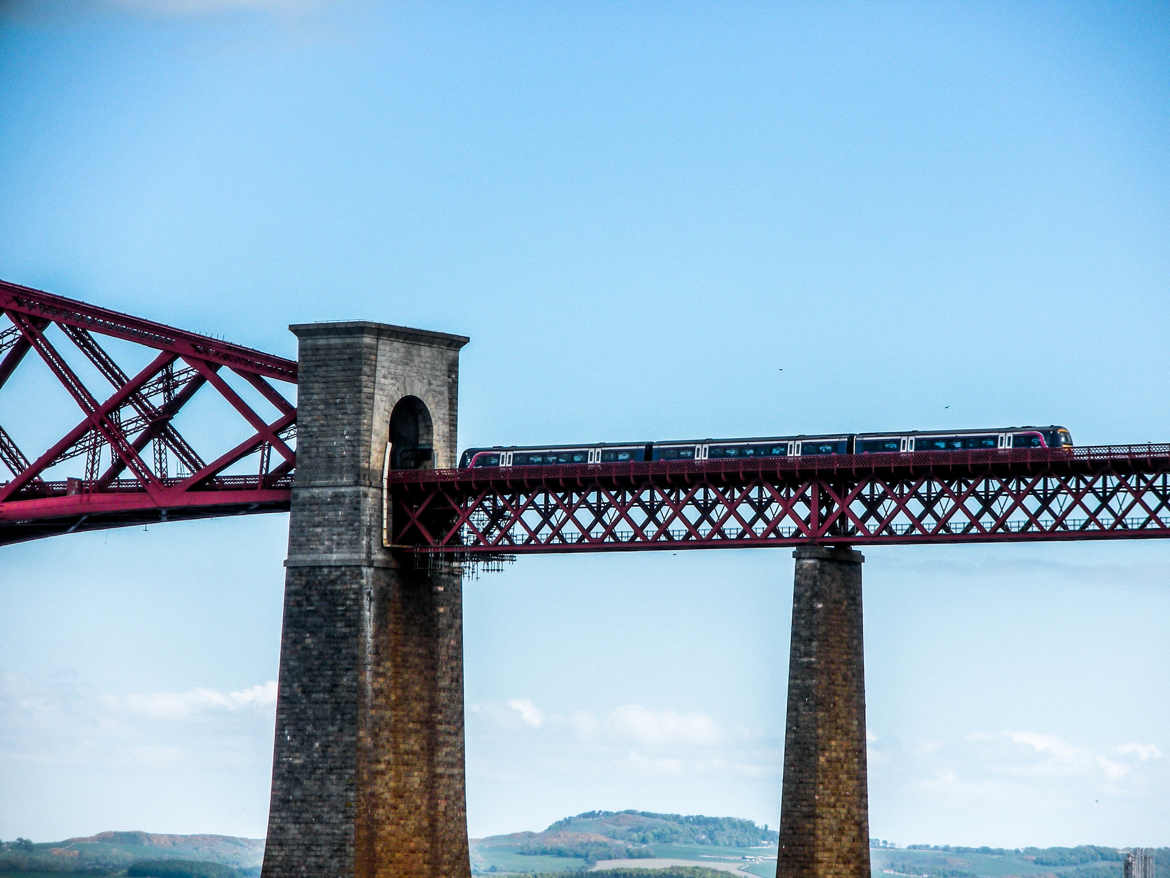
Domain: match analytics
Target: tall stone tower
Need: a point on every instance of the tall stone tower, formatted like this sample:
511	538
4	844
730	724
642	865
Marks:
824	809
368	768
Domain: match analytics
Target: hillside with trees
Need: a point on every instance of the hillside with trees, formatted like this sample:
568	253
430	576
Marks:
594	836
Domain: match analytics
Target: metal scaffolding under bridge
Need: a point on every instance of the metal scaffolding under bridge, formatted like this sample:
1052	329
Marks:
1086	493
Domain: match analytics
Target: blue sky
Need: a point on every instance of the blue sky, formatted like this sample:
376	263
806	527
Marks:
672	220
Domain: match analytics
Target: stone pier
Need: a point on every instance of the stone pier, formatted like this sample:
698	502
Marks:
824	810
368	768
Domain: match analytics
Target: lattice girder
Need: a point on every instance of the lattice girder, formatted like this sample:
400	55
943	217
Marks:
1104	492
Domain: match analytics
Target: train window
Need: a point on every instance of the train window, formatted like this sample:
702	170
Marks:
979	442
1025	440
617	455
938	443
487	460
869	446
822	447
687	453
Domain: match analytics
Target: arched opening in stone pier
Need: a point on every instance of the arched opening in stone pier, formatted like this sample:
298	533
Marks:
411	435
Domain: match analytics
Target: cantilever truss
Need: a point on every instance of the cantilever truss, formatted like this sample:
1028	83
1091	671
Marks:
1107	492
138	467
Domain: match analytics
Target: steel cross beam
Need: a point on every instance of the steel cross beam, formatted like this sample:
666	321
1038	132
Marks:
123	410
1102	492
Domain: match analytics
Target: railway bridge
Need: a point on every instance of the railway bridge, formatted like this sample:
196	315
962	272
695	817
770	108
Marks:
368	766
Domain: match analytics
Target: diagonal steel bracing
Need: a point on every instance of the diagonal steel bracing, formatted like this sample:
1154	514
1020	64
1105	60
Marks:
120	482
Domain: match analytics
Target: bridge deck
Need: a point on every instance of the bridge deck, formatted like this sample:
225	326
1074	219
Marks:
1092	492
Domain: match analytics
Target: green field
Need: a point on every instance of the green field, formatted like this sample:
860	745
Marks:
708	851
990	865
506	861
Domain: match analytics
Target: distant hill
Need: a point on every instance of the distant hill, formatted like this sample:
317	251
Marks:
619	835
646	827
115	852
623	843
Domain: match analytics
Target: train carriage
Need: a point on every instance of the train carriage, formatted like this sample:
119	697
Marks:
908	442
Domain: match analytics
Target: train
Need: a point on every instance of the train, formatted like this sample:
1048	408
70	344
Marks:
906	442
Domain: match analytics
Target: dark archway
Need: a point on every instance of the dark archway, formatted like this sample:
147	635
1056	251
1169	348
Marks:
411	435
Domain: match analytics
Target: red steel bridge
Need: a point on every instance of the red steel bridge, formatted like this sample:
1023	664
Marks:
91	406
138	442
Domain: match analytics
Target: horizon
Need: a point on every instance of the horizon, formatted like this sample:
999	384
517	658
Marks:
889	843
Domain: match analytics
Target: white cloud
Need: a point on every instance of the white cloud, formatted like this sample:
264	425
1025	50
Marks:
1053	756
945	779
1049	745
1113	770
662	727
656	765
621	727
179	705
530	714
585	724
1143	752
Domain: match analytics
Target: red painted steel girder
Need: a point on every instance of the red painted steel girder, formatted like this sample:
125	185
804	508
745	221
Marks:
1102	492
120	412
